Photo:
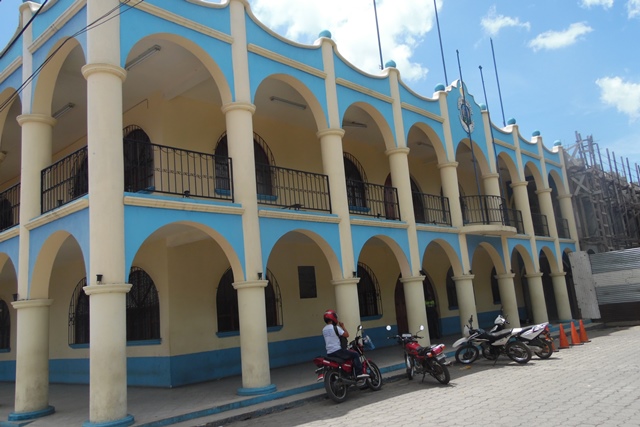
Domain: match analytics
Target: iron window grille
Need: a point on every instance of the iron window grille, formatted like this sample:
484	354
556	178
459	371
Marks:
138	159
10	207
452	293
79	315
64	181
5	326
368	292
143	307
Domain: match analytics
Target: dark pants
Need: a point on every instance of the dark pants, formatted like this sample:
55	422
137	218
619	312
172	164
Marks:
349	355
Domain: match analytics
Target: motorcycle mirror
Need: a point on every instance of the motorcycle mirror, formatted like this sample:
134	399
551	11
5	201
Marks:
422	327
388	327
359	327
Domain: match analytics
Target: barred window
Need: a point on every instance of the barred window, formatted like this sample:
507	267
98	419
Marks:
5	326
138	159
368	292
227	304
452	294
143	307
79	315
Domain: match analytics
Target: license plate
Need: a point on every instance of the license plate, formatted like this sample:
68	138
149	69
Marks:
443	360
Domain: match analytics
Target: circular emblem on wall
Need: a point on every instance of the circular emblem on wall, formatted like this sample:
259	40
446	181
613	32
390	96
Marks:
465	115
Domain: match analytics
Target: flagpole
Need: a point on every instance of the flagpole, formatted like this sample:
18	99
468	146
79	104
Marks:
504	123
375	11
444	67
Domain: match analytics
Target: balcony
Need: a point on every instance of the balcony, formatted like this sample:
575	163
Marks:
10	207
563	228
64	181
151	168
373	200
489	215
540	224
293	189
431	209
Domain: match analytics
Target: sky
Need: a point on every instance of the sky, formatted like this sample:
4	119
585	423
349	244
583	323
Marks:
561	66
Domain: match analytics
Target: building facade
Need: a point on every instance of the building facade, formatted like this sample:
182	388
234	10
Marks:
184	193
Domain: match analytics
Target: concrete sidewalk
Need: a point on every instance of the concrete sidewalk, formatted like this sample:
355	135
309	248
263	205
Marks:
213	401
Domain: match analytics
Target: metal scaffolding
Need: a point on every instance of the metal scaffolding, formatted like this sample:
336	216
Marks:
606	197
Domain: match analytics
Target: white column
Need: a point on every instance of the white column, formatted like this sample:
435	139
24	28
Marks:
546	208
256	376
562	295
522	204
347	305
508	298
450	190
491	184
566	207
416	310
466	299
108	364
536	292
32	360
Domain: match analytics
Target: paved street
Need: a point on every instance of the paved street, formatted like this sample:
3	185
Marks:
595	384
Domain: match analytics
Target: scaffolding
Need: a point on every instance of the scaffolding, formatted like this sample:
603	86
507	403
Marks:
606	197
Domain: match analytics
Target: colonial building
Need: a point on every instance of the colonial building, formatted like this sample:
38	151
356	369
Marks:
184	193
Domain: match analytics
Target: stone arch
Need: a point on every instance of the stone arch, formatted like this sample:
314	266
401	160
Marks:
536	174
495	256
432	136
400	256
530	265
554	263
466	152
378	119
450	252
58	244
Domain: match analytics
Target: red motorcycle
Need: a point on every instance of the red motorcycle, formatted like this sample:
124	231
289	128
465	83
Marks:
338	374
423	360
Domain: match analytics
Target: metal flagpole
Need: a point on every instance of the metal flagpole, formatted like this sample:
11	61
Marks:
444	67
504	123
468	129
375	11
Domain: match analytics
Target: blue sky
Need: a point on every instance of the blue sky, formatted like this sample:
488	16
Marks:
563	66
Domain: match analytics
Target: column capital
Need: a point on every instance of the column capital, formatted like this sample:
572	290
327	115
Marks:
116	70
36	118
505	276
119	288
533	275
339	282
250	284
544	190
559	274
31	303
330	132
463	277
397	150
243	106
565	196
447	165
515	184
490	175
412	279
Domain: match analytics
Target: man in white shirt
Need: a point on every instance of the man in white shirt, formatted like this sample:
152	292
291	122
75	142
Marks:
332	333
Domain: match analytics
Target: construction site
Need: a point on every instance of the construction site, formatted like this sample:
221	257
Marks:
606	197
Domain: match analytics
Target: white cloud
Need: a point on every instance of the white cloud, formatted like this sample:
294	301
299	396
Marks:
624	96
403	25
493	23
607	4
633	9
559	39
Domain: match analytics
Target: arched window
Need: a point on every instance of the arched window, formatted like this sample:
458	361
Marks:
495	288
273	301
263	160
138	160
452	294
143	307
354	174
79	315
227	304
5	326
368	292
418	203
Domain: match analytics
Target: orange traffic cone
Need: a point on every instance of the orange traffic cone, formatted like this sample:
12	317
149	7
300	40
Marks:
575	339
563	339
583	333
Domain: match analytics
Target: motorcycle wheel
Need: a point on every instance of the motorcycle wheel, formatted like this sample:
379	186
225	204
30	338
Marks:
547	349
487	353
410	365
375	377
440	372
467	354
336	389
518	352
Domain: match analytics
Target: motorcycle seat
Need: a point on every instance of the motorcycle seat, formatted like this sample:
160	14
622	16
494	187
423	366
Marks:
336	359
500	334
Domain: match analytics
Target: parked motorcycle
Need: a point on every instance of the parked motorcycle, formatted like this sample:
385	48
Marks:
492	345
339	376
536	337
423	360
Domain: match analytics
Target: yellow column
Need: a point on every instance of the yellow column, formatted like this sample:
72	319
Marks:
536	292
108	338
416	310
252	314
562	295
449	179
522	204
491	183
32	360
346	291
546	208
508	298
466	299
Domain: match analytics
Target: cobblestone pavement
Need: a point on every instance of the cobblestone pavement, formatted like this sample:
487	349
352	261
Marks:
594	384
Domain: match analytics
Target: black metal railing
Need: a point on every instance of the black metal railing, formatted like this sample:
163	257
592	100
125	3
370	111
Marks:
294	189
156	168
563	228
490	210
540	224
375	200
10	207
431	209
65	180
514	219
